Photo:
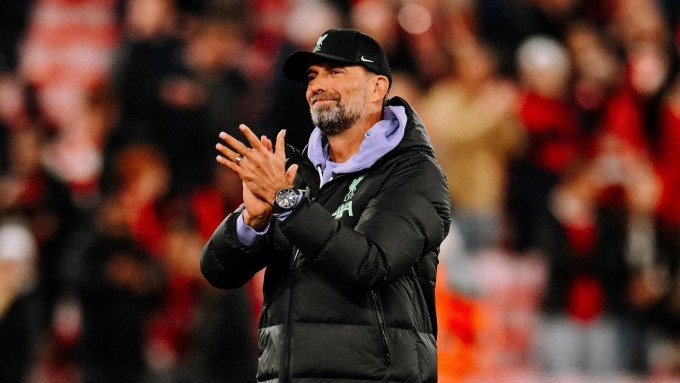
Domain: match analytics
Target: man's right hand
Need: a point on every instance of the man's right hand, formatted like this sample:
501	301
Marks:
258	212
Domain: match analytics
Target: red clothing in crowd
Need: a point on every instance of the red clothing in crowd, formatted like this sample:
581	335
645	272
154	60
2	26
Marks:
553	132
669	168
624	119
585	297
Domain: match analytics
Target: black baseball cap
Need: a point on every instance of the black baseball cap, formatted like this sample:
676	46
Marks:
347	46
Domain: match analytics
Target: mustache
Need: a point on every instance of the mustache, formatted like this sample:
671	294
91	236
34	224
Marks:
326	96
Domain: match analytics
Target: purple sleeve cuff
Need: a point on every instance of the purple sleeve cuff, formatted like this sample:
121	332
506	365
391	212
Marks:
246	234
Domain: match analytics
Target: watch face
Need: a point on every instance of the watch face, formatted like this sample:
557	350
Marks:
286	198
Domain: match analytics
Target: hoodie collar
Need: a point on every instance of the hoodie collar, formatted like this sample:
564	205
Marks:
382	137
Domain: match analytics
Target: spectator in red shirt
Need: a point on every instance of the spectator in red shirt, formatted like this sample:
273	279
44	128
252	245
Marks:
552	131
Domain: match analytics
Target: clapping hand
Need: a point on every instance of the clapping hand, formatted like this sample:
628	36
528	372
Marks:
261	167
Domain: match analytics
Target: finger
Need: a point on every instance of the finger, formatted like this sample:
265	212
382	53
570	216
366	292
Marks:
266	142
226	152
281	144
236	146
229	164
250	136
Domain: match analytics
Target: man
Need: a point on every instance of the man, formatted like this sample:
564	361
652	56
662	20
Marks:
348	229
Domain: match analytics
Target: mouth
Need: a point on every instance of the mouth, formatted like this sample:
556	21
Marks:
323	102
319	99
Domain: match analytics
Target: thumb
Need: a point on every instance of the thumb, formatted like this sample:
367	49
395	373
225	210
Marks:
291	172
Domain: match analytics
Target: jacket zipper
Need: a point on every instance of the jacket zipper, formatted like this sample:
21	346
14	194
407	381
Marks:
377	305
293	265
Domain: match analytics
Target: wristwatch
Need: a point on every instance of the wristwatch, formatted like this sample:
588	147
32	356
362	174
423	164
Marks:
285	200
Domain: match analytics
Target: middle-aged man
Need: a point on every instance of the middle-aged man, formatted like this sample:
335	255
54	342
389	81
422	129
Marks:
348	230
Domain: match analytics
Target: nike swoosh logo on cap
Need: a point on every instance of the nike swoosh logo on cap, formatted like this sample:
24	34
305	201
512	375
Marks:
366	60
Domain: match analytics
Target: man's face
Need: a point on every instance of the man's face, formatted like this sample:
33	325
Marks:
337	95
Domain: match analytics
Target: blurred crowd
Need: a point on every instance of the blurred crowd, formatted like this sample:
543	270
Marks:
557	123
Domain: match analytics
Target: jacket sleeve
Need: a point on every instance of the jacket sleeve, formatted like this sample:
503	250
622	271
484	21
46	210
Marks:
407	219
225	262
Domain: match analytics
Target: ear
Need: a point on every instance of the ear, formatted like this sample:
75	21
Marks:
381	85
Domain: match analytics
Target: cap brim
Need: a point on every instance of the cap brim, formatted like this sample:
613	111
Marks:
296	65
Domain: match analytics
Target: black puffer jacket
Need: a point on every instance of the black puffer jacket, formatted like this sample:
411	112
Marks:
348	299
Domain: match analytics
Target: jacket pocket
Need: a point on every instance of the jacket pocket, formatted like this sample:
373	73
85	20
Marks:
382	328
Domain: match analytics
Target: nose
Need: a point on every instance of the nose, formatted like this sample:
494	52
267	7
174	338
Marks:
319	82
315	86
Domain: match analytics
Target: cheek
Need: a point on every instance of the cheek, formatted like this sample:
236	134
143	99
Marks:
308	96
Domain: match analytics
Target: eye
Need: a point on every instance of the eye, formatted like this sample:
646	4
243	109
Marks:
311	76
336	71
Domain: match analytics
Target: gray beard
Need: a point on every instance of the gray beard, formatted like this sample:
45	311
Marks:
334	120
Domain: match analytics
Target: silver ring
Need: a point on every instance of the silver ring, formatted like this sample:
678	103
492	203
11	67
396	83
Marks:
238	159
